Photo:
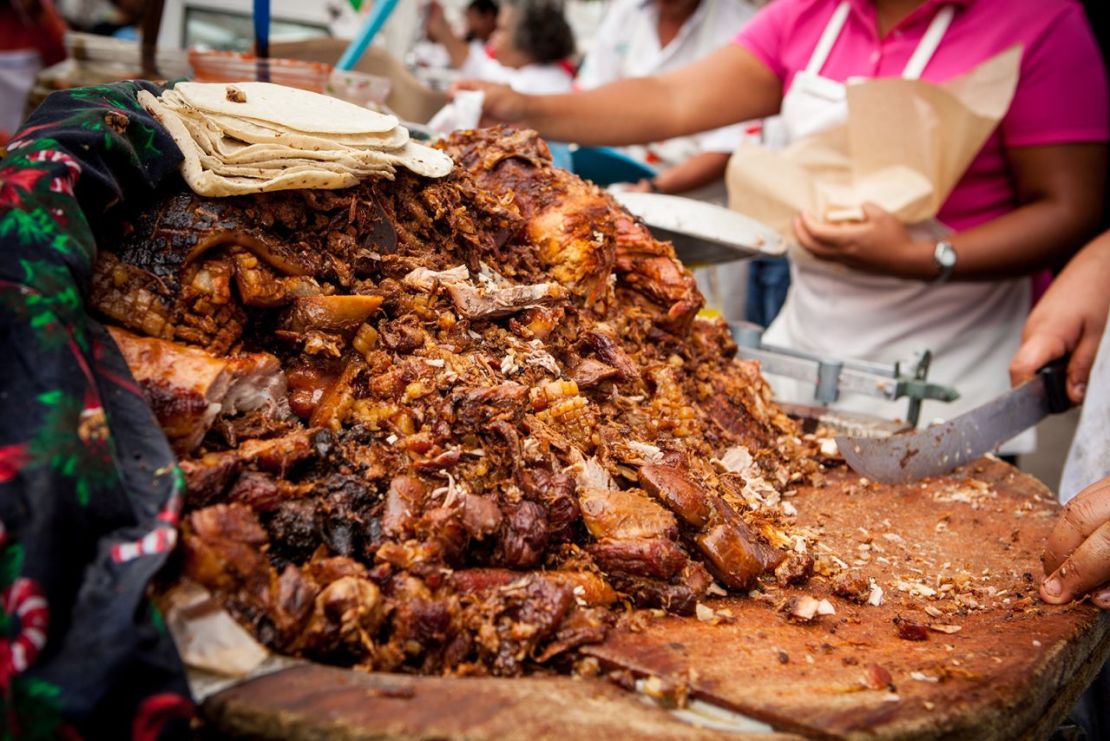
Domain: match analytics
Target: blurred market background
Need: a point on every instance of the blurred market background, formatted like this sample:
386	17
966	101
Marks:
69	43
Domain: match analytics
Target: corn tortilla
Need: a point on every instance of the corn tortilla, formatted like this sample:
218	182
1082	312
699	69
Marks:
307	112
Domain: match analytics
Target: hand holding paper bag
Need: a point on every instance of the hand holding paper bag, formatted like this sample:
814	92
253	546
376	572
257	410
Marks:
904	146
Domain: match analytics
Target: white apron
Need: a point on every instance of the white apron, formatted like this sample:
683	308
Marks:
973	329
642	59
725	286
1089	457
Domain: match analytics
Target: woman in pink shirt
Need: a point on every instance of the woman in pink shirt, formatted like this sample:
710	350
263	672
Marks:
875	290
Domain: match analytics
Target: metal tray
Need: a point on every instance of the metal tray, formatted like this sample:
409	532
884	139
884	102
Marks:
702	233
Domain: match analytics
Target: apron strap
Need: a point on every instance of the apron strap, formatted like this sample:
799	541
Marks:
929	43
828	38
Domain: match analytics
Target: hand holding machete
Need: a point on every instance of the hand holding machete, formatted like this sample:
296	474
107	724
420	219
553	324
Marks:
1071	317
936	450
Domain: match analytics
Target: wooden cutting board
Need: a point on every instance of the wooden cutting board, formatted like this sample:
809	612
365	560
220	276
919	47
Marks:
1013	668
313	702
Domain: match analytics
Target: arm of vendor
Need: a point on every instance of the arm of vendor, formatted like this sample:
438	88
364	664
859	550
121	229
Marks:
640	38
1031	195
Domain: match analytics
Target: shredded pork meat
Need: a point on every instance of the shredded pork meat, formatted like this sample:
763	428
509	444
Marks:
446	425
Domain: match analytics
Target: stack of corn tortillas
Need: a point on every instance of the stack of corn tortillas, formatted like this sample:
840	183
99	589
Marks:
250	137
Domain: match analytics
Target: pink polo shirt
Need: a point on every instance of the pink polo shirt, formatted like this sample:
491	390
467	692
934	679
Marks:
1061	96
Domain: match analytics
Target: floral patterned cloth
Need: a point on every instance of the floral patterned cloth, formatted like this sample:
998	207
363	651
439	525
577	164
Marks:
89	491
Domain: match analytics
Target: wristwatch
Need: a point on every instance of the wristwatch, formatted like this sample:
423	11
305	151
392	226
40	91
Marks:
944	255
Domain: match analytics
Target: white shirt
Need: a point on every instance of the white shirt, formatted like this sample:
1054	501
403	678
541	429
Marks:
1089	458
532	79
627	45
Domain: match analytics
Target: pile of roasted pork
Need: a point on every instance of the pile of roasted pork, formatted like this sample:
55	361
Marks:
448	425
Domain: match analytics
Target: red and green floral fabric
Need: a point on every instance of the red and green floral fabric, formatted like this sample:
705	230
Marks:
89	491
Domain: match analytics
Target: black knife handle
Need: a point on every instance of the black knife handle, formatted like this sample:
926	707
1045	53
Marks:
1055	376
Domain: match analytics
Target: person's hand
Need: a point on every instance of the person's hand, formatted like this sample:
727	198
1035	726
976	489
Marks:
1071	317
436	27
640	186
628	187
1050	335
502	104
878	244
1077	554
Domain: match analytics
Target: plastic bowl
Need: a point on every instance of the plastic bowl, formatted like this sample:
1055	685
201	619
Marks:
226	66
369	91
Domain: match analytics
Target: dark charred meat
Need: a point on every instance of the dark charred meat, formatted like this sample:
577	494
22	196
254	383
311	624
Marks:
447	426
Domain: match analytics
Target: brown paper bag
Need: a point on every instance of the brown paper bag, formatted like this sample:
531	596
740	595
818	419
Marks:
905	145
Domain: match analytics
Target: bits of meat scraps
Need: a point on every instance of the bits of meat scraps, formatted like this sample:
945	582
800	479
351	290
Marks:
796	569
623	678
588	667
944	628
875	677
908	630
852	586
673	691
800	609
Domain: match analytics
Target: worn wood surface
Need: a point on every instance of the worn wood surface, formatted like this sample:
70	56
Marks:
1011	670
313	701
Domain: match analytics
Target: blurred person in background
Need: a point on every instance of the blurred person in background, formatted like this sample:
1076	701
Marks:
529	47
481	21
874	289
640	38
32	36
103	17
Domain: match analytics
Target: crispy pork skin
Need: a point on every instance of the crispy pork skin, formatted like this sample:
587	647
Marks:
188	387
733	552
583	235
184	385
658	558
672	486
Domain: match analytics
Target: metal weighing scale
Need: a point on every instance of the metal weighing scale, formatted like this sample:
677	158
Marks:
832	376
705	234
